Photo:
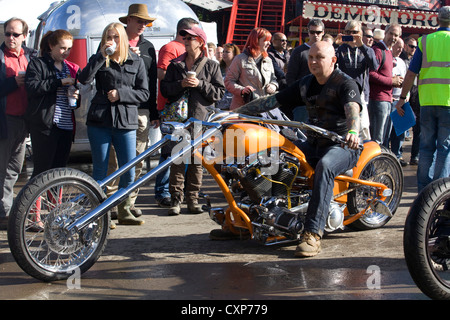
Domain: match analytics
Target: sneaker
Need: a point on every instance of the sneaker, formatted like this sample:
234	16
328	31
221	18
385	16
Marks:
164	202
414	162
309	245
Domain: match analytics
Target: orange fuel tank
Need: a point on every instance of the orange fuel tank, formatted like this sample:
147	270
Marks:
243	139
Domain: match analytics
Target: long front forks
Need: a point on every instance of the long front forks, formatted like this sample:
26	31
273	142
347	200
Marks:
122	194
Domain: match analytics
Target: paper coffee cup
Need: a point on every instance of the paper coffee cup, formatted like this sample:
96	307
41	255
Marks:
191	74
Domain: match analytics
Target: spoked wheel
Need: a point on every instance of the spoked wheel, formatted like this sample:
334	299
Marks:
385	169
44	207
426	240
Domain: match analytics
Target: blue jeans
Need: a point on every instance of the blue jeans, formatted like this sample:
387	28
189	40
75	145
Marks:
434	150
124	142
329	162
380	124
162	181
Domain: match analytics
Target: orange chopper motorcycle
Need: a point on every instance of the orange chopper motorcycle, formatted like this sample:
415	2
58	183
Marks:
60	220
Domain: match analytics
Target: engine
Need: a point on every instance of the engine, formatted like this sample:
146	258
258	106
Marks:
275	196
264	176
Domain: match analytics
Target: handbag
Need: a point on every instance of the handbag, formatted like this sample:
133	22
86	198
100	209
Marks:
178	110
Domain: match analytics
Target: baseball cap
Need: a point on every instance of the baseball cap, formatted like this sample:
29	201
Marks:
194	31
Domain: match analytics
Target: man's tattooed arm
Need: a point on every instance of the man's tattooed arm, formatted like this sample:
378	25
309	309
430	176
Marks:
258	106
352	115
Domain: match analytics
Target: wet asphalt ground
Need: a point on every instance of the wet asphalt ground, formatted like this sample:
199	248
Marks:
172	258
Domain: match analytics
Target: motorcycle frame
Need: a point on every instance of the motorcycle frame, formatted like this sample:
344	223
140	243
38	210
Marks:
235	217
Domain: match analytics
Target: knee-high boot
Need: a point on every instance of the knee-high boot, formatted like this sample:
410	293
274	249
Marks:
125	216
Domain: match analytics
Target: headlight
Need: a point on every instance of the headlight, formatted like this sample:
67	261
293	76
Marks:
169	127
166	128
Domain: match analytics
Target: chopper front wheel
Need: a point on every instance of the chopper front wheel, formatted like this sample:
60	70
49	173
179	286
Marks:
37	236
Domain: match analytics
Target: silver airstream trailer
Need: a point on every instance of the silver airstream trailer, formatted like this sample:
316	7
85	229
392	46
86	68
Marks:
86	19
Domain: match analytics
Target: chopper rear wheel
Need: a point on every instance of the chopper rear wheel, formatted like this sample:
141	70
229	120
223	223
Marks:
383	168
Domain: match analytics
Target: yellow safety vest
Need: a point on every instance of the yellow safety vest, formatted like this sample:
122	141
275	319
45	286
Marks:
434	76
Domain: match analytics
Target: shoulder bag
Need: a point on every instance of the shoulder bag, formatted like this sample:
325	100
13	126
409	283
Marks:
178	110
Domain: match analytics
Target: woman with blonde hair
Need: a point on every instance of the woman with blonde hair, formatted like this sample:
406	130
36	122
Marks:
251	74
122	85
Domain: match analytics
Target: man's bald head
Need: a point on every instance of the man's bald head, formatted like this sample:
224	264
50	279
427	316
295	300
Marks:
321	60
325	47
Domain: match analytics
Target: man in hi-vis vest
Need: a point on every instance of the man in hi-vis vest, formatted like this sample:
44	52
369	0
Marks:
431	62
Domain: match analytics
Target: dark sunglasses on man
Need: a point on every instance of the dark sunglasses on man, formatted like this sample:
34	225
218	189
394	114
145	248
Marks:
15	35
368	36
315	32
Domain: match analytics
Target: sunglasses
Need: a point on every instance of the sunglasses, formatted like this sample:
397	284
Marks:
315	32
282	40
412	46
15	35
368	36
189	38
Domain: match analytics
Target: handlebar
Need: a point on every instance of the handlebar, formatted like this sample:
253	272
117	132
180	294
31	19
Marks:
218	116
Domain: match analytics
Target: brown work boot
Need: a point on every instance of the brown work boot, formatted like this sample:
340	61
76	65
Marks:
309	245
175	204
194	207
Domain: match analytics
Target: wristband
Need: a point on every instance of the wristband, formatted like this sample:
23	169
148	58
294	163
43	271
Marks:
402	98
353	132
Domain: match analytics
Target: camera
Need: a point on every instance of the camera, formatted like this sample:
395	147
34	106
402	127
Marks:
347	38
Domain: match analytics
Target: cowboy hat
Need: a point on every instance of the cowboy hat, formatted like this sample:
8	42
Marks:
139	11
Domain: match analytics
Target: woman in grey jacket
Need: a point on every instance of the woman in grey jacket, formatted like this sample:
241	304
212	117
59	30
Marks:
122	85
251	72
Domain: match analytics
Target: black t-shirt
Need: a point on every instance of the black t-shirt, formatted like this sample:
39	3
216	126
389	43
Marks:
290	97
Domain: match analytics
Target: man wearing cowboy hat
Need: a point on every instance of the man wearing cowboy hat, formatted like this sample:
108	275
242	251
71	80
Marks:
136	21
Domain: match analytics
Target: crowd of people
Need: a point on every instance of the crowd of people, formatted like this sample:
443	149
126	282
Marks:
377	68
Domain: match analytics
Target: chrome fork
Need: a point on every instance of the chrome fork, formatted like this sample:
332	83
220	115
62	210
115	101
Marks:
121	194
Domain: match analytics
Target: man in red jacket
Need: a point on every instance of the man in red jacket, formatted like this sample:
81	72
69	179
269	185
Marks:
381	84
14	58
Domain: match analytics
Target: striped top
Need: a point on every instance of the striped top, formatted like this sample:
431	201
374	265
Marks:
63	114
